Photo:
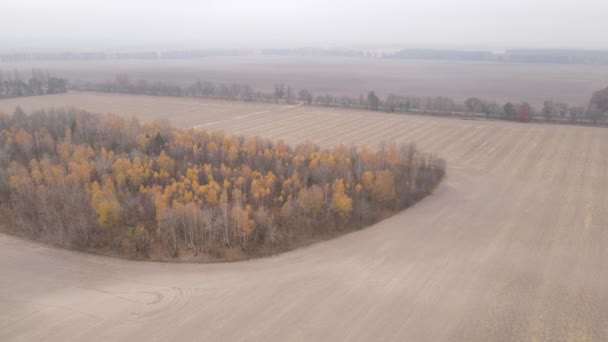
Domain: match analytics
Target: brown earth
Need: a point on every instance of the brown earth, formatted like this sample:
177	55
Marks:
512	246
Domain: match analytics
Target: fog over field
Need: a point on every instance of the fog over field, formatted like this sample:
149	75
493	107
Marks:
128	25
282	170
500	82
376	27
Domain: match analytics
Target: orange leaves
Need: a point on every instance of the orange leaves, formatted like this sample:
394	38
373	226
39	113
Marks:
139	172
380	185
53	174
367	180
269	179
232	156
248	223
225	171
105	203
311	200
267	153
114	127
19	176
192	173
183	139
313	163
211	193
342	204
243	224
80	172
251	146
165	163
211	148
64	149
224	197
261	186
24	141
36	172
299	160
188	196
341	150
120	171
160	205
109	213
281	148
226	184
384	190
239	182
291	186
200	186
366	156
45	141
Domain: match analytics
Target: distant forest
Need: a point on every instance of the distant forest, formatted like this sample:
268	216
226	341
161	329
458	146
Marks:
509	56
596	113
539	56
39	83
97	56
150	190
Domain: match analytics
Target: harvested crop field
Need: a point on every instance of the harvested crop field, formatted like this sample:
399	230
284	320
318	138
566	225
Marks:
511	246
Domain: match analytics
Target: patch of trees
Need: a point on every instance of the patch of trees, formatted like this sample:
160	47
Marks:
153	191
473	107
39	83
598	106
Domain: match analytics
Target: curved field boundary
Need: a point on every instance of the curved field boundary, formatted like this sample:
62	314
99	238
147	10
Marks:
511	246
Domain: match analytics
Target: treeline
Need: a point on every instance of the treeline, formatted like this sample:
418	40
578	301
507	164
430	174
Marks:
153	191
39	83
315	52
551	111
137	55
595	113
536	56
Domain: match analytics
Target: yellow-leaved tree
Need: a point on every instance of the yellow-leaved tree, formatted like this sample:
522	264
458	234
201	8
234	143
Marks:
343	205
105	204
384	191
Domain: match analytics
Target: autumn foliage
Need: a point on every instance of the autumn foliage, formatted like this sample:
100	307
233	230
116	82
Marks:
152	191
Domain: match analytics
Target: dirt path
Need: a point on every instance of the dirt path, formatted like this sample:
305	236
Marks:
511	246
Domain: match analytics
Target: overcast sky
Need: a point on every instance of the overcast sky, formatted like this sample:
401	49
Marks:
199	24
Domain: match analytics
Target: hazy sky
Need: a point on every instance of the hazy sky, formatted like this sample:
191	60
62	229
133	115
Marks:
158	24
